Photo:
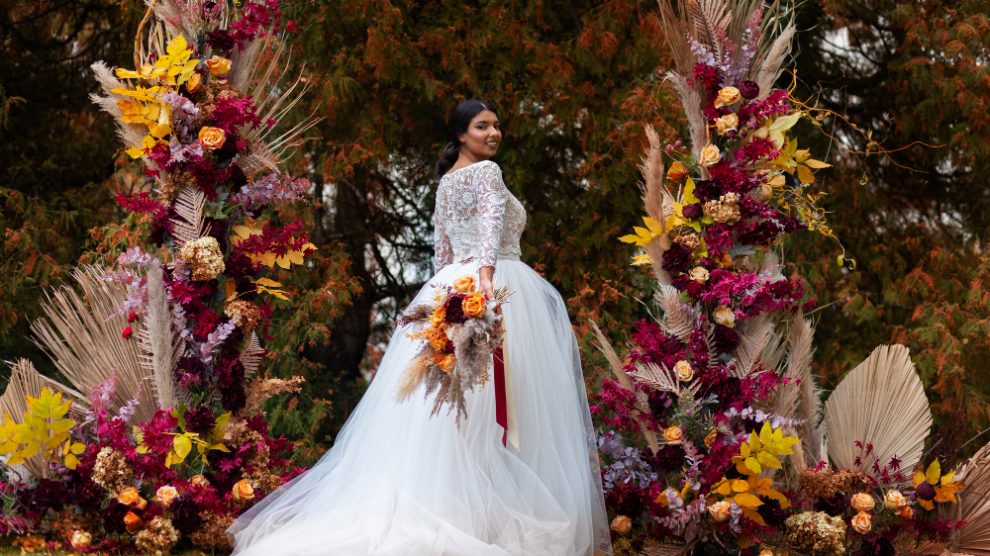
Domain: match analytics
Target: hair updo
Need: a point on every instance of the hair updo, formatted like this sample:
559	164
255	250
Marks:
458	123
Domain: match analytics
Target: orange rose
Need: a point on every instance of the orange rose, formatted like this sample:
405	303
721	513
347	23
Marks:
129	497
439	315
464	284
621	524
673	434
437	338
193	83
474	305
211	137
133	522
219	66
166	495
677	171
862	523
862	502
720	511
242	491
906	512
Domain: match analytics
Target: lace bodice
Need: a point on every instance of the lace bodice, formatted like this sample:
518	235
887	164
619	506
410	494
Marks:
476	217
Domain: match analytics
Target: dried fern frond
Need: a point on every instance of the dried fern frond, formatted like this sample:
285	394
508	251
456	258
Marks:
766	70
666	549
82	336
754	336
679	319
251	356
26	381
882	401
189	222
710	19
973	506
160	341
620	375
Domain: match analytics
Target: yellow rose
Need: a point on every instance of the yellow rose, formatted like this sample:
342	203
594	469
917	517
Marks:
683	371
193	83
621	524
165	495
473	305
862	523
894	500
720	511
447	363
727	123
80	539
699	274
677	171
464	284
727	97
673	434
219	66
242	491
211	137
199	480
710	155
862	502
724	316
132	522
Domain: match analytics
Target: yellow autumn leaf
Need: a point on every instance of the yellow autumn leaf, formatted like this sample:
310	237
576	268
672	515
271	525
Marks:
753	465
747	500
739	485
182	445
641	259
71	461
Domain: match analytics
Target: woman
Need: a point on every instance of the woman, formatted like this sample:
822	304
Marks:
400	482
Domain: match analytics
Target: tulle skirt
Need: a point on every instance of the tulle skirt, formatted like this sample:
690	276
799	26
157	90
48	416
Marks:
399	482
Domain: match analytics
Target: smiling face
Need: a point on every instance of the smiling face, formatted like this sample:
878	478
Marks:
480	141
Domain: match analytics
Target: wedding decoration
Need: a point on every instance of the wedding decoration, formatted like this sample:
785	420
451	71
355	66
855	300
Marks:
718	442
158	439
461	332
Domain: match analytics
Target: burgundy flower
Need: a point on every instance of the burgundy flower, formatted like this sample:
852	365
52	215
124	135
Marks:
199	419
692	211
220	40
454	309
749	89
676	259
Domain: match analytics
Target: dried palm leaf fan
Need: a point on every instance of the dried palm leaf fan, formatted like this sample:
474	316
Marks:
26	381
881	402
973	506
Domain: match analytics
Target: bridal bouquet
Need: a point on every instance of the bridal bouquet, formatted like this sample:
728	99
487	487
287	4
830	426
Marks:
462	330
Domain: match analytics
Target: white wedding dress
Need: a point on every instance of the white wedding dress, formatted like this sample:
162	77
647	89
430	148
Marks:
400	482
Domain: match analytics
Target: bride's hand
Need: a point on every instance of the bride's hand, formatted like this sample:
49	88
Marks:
485	277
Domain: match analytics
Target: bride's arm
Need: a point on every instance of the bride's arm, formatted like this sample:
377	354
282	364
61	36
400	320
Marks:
492	196
443	254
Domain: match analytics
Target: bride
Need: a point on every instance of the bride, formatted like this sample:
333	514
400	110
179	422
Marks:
399	482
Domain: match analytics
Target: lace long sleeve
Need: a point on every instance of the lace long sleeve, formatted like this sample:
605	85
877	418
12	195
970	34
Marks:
492	196
443	254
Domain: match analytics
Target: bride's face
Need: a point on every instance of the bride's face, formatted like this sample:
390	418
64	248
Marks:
482	137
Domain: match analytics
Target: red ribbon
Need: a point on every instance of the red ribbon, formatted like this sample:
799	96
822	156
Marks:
501	415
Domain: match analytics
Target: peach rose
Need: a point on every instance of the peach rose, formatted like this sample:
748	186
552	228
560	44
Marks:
683	371
673	434
218	65
132	522
699	274
80	539
464	284
766	552
894	500
710	155
862	523
242	491
720	511
727	97
194	82
165	495
621	524
211	137
862	502
439	315
473	305
199	480
129	496
677	171
723	315
727	123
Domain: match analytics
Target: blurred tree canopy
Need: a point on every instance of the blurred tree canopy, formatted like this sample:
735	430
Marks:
574	82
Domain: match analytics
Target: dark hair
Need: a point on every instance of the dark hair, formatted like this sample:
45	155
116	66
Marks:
457	124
